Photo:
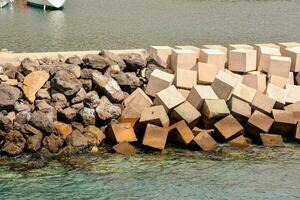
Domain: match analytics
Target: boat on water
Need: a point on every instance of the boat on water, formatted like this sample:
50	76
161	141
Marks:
53	4
4	3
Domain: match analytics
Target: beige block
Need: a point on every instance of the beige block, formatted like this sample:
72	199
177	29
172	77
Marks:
183	58
214	108
244	92
294	54
239	46
185	93
155	115
206	73
276	93
238	77
297	135
190	47
122	132
186	112
284	45
279	66
155	137
180	133
271	140
293	93
264	56
257	81
199	93
281	81
130	115
295	107
125	148
169	98
219	47
138	100
242	60
263	103
227	129
284	123
204	141
158	81
297	79
270	45
164	52
239	142
239	109
185	78
213	56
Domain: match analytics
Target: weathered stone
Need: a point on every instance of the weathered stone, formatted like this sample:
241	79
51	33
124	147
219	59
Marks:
263	103
53	143
204	141
74	60
185	78
95	135
122	132
87	84
158	81
113	57
199	93
155	115
19	107
78	126
70	114
43	94
6	123
125	148
77	139
9	96
213	56
271	140
133	61
63	130
227	128
183	58
34	138
239	142
109	86
96	61
128	81
154	59
164	53
14	143
23	117
28	66
87	73
242	60
150	69
169	98
79	97
92	99
155	137
59	101
65	81
180	133
43	120
106	110
88	116
206	73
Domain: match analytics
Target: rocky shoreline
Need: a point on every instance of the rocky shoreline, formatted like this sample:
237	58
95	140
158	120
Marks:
128	103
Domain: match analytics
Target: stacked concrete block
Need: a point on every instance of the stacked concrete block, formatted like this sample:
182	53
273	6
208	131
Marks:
263	103
155	115
244	92
204	141
242	60
279	66
213	56
281	81
294	107
185	93
183	58
293	93
239	142
294	54
186	112
270	45
284	123
122	132
164	52
199	93
256	80
258	123
206	73
297	79
239	46
218	47
155	137
284	45
271	140
297	134
227	129
240	109
158	81
190	47
180	134
264	56
138	100
169	98
276	93
185	78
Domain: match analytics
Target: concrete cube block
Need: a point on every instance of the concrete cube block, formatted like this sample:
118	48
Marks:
284	45
186	112
185	78
257	81
183	58
206	73
281	81
270	45
297	135
164	52
263	103
155	115
240	109
294	107
190	47
180	134
238	77
271	140
122	132
258	123
130	115
125	148
199	93
294	54
155	137
213	56
227	129
239	142
293	93
204	141
284	123
169	98
264	55
276	93
185	93
138	100
242	60
239	46
279	66
214	46
158	81
243	92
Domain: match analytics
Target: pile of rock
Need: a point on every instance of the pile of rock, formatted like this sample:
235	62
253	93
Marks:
185	96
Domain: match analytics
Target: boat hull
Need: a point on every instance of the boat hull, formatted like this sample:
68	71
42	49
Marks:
54	4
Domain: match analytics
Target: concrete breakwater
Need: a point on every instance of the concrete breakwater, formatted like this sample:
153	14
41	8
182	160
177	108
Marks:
136	100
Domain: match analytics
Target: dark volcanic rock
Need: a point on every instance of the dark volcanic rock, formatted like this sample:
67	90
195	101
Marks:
114	57
106	110
96	61
65	81
88	116
128	81
14	143
92	99
94	135
8	96
133	61
43	120
53	143
109	86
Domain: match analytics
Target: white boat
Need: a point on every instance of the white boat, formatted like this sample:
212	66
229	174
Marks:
47	3
4	3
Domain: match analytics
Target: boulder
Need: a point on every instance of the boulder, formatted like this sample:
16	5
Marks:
114	57
96	61
106	110
14	143
70	114
62	129
28	66
91	99
77	139
43	120
88	116
53	143
133	61
79	97
9	96
160	56
74	60
33	138
94	135
43	94
59	101
128	81
150	68
156	60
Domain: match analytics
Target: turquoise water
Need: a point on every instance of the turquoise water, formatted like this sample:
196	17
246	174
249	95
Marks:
254	173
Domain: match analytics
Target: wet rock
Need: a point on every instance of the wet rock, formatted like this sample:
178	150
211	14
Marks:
94	135
59	101
9	96
74	60
33	82
43	120
114	57
34	138
92	99
96	61
66	82
106	110
88	116
109	86
53	143
87	84
79	97
77	139
69	114
133	61
63	130
14	143
128	81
